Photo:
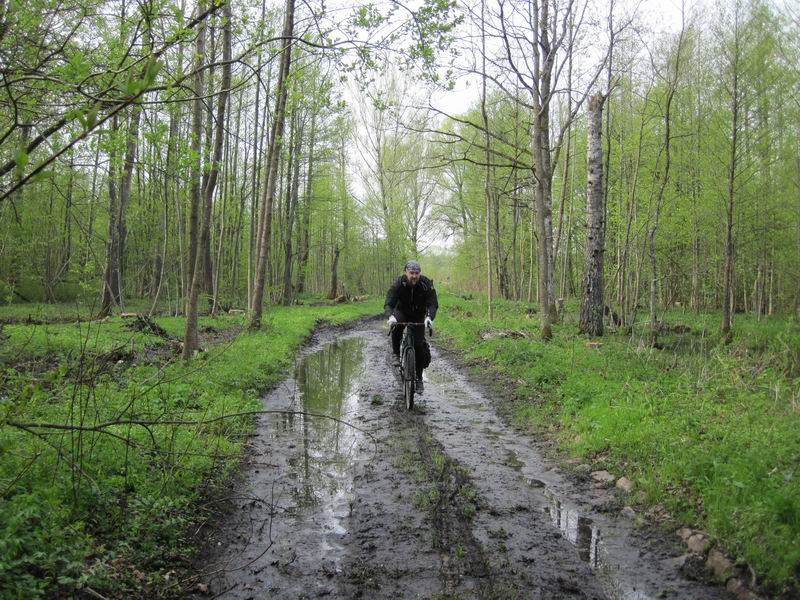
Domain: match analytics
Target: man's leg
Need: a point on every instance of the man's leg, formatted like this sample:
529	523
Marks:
419	350
397	338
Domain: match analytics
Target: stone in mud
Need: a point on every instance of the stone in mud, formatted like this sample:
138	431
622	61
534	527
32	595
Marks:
694	568
719	564
603	477
698	543
676	563
628	512
583	469
738	588
201	588
685	533
735	586
625	484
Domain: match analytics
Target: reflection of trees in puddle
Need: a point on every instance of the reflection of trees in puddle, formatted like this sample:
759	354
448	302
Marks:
326	384
579	530
602	555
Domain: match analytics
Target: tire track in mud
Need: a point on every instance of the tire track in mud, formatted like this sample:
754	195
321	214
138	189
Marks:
442	502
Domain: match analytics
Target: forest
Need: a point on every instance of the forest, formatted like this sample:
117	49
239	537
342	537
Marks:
187	188
133	135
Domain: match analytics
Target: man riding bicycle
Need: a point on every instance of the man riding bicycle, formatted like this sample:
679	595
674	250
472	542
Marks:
411	299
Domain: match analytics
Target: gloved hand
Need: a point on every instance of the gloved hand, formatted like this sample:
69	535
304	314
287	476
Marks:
428	323
392	321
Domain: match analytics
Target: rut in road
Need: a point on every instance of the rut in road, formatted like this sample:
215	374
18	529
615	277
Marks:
442	502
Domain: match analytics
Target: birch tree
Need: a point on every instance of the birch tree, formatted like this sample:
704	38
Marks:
592	305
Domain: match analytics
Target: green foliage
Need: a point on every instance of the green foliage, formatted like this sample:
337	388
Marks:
110	507
690	240
710	430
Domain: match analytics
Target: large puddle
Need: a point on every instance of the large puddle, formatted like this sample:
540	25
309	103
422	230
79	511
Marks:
289	520
326	396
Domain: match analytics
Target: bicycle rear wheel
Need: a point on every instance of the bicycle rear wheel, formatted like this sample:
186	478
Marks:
409	374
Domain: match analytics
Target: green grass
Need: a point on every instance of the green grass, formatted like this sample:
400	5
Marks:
66	312
712	431
111	508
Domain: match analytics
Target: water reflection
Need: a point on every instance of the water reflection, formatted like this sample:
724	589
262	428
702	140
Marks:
585	536
326	385
579	530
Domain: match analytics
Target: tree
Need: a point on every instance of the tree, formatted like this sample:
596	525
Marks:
592	305
671	81
273	155
190	342
542	29
194	262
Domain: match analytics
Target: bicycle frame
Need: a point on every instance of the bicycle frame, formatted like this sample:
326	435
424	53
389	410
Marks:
408	362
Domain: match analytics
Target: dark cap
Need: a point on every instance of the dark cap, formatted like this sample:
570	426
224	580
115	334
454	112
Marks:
413	265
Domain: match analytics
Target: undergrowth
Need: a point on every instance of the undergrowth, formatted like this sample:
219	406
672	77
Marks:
710	430
109	442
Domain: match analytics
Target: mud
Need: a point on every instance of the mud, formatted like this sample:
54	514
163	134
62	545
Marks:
372	501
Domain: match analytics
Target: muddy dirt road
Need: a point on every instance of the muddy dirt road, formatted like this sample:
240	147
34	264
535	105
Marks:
442	502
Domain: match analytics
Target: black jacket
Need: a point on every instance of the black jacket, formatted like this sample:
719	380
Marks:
415	302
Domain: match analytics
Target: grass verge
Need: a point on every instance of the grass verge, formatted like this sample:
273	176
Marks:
710	431
109	444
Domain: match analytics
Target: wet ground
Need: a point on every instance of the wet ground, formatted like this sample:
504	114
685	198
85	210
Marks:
347	495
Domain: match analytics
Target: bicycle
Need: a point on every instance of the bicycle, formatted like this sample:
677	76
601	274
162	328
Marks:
408	362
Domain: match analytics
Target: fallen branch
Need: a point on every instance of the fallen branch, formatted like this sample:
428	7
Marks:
101	427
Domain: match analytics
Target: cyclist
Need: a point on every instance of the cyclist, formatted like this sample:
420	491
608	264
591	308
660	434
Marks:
411	299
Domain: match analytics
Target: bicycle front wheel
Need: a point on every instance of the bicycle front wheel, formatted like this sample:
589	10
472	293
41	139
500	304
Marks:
409	374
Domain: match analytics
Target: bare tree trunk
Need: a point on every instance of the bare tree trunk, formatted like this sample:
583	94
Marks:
125	191
111	275
66	254
293	194
335	274
673	85
255	232
302	267
514	241
591	321
565	173
273	156
500	257
543	61
725	326
194	262
565	262
172	182
86	256
237	241
161	259
131	146
223	218
216	158
487	190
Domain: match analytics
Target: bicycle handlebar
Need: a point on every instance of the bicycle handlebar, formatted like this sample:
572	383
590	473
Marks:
393	325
